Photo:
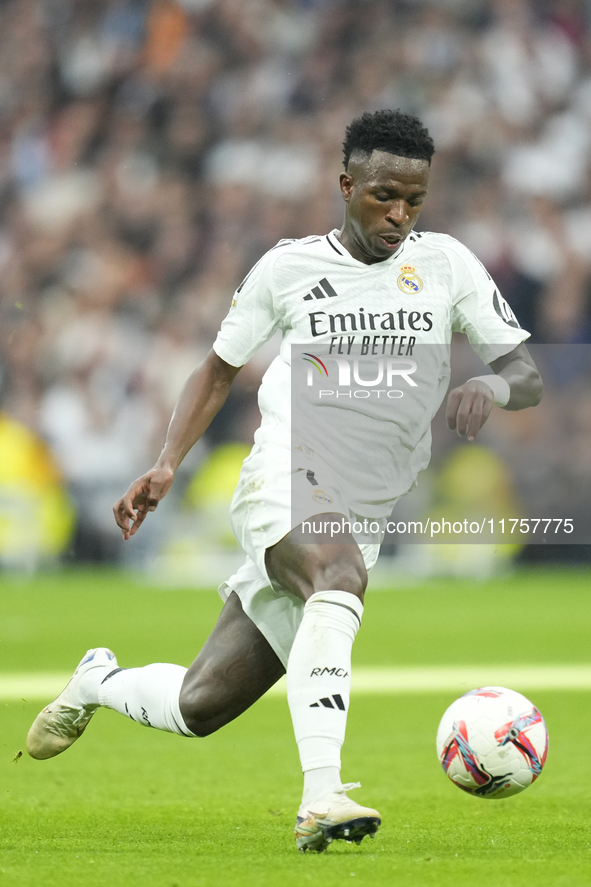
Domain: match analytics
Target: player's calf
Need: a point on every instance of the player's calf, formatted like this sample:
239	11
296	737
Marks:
236	666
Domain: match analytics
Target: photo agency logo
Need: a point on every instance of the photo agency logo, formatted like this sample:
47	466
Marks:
360	377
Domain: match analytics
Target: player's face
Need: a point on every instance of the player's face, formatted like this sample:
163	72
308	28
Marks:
384	195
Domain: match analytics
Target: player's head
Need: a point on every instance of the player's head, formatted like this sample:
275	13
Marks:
387	156
389	131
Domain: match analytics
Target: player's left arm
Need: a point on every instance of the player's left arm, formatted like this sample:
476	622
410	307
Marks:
520	372
470	405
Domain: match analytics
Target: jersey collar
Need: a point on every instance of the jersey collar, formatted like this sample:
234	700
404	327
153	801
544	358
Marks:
337	246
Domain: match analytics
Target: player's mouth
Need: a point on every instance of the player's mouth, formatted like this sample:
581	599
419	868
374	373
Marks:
391	241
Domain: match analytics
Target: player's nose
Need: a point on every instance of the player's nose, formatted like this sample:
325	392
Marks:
397	212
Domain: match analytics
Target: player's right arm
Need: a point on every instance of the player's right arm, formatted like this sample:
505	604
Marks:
203	395
251	321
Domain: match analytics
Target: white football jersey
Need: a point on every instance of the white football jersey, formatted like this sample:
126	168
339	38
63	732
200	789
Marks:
332	309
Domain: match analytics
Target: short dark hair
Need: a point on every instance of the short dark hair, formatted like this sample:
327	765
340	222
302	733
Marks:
390	131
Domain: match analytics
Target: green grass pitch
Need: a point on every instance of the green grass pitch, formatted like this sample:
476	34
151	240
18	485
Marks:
127	805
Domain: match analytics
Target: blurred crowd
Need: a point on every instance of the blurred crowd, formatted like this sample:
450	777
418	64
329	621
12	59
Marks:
152	150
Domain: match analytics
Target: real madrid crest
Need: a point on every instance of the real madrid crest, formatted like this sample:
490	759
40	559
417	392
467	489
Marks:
409	281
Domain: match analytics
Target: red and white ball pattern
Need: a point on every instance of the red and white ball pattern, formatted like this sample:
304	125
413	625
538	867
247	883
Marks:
492	742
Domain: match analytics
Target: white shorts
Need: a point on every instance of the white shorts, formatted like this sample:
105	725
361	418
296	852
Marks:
262	512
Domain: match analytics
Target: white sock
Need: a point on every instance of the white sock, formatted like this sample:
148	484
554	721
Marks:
320	782
148	695
89	683
319	684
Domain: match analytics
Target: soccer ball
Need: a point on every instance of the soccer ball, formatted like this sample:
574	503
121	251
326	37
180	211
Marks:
492	742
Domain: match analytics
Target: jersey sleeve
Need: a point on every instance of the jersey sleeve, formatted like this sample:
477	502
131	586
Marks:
479	310
252	318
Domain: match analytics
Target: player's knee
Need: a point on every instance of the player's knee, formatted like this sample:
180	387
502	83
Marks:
342	574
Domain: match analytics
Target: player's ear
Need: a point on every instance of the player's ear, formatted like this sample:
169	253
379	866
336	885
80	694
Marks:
346	183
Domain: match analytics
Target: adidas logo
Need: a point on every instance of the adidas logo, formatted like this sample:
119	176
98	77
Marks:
335	701
319	293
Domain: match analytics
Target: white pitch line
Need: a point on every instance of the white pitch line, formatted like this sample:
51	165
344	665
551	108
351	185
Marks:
457	678
32	685
463	678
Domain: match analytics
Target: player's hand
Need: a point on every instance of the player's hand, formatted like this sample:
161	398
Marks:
468	408
142	497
